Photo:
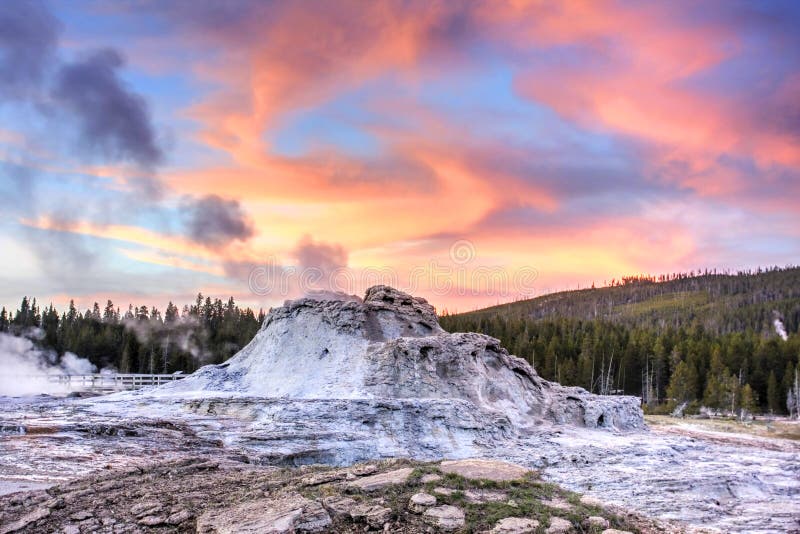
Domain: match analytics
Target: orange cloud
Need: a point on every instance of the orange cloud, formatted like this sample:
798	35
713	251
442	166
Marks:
297	57
636	83
129	234
169	260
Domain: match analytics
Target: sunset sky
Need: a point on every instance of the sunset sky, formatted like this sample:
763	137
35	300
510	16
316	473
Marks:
150	150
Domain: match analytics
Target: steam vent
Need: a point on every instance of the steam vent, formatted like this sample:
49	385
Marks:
337	379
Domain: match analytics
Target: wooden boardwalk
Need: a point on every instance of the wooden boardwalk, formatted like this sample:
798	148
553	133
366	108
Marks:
111	382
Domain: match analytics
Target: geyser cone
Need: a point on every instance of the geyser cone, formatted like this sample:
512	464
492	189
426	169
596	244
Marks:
390	346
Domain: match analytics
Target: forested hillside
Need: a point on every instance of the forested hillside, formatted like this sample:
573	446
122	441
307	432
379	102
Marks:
727	341
140	340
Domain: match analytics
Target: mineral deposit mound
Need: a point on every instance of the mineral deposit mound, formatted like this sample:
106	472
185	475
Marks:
337	379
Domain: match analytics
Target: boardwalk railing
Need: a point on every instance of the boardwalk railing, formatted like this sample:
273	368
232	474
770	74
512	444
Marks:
111	382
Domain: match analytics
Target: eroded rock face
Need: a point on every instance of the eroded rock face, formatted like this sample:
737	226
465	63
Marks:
379	377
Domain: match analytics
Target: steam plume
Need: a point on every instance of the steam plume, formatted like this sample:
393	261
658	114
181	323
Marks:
25	368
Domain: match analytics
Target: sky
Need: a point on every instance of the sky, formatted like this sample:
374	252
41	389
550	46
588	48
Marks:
469	152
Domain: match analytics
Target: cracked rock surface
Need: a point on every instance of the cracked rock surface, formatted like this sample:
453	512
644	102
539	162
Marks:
214	497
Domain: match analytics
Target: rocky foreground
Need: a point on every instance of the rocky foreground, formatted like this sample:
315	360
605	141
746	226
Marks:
695	479
205	495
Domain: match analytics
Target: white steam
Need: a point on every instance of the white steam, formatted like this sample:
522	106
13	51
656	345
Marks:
780	329
326	295
183	334
24	368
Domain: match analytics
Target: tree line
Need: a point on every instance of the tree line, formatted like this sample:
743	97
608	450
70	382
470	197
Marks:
141	339
728	342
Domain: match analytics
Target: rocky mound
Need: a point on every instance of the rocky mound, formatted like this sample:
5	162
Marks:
390	346
337	379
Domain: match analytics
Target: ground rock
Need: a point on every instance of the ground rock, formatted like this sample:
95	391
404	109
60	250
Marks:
179	517
558	504
339	506
381	480
322	478
420	502
25	521
558	526
286	514
82	515
379	517
479	496
445	517
430	477
152	520
375	515
588	500
597	522
475	468
515	525
364	469
146	508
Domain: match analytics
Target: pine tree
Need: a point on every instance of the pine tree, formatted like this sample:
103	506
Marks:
748	401
718	384
72	314
683	384
773	396
24	316
36	317
110	316
171	313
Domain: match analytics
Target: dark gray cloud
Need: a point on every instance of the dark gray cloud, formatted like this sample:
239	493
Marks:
113	125
149	188
214	221
114	121
28	41
324	256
